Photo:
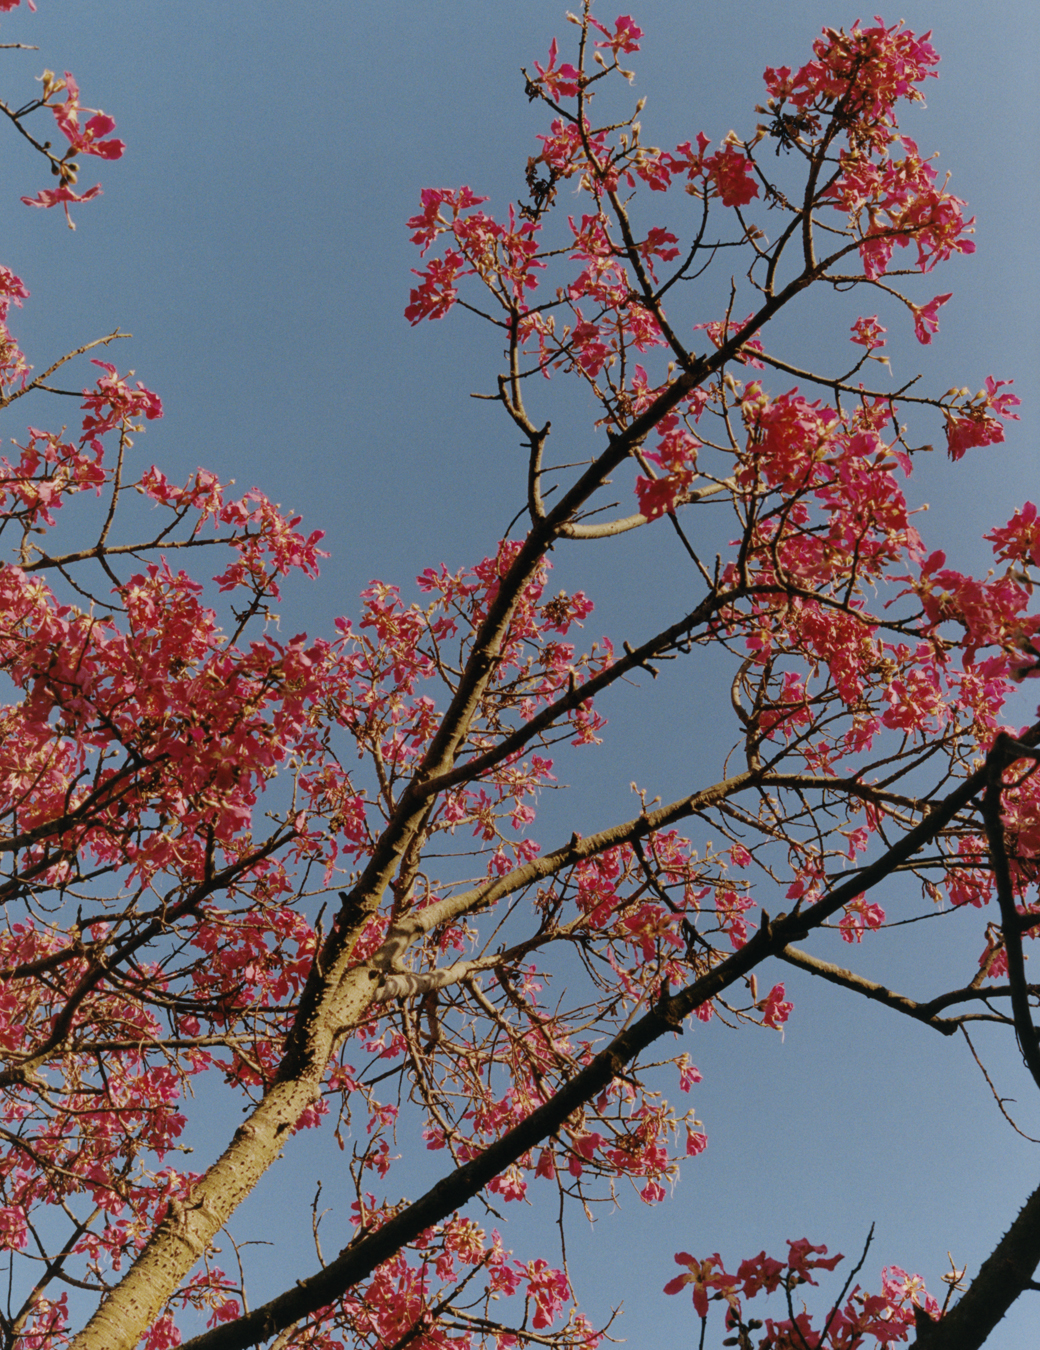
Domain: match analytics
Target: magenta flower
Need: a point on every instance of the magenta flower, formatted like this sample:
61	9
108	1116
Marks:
926	320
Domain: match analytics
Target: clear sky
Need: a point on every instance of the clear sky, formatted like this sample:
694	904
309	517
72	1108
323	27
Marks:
253	242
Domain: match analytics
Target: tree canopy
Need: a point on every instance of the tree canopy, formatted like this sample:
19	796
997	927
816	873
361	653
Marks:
298	873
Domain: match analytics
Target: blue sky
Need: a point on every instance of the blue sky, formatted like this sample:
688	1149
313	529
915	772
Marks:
253	242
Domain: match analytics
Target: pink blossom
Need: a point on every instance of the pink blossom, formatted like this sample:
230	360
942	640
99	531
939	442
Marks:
12	288
659	496
860	917
558	81
876	253
975	427
731	173
1019	540
549	1289
62	196
965	433
705	1276
775	1011
926	317
625	37
867	332
436	295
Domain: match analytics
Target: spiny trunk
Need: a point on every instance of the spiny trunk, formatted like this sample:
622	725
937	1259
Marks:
188	1230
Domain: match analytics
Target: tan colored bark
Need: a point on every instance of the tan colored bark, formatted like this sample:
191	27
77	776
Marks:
188	1231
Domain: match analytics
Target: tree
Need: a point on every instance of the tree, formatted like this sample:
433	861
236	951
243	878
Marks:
203	888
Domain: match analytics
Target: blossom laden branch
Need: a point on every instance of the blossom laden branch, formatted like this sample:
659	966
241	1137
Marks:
180	786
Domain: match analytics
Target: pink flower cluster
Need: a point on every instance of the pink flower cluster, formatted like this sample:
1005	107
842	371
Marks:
887	1317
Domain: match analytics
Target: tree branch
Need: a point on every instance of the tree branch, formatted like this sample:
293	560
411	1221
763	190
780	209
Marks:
361	1257
1003	1276
848	979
